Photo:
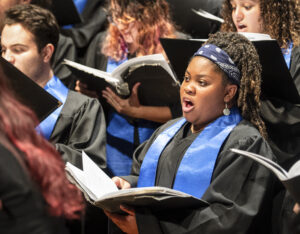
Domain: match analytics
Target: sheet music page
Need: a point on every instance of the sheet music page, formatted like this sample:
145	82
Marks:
95	72
274	167
295	170
147	59
256	36
96	179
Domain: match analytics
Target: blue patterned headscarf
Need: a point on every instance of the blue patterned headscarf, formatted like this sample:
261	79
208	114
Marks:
222	60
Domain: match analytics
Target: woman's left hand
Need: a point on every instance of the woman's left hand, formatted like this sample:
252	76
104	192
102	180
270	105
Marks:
127	106
127	223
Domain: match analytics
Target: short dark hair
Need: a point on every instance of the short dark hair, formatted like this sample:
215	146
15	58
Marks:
39	21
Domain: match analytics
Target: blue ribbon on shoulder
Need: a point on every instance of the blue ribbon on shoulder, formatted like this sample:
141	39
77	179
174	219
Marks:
287	54
57	89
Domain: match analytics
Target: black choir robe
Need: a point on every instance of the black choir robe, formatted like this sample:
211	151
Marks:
94	20
65	49
80	126
240	193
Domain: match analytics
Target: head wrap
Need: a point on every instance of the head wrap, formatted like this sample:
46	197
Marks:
222	60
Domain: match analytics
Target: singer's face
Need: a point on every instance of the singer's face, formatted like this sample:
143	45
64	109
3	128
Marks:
20	49
128	31
246	16
202	93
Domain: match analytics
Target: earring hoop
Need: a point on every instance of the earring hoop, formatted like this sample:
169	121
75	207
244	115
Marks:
226	110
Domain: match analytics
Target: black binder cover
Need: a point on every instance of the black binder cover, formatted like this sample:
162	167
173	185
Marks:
154	201
157	87
28	92
276	78
65	12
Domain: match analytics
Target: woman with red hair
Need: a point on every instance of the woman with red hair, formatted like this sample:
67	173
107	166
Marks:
35	195
134	30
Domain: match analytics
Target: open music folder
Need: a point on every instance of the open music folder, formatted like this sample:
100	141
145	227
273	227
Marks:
28	92
101	191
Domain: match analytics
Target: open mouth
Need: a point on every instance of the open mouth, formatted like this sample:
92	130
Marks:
187	105
241	27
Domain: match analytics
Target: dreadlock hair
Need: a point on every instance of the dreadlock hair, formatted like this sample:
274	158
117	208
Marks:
245	57
280	19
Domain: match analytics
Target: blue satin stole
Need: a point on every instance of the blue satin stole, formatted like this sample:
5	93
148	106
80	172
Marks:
80	4
197	165
287	54
57	89
120	141
120	135
112	64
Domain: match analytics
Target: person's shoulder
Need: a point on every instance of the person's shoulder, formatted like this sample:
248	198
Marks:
245	129
296	50
244	134
77	100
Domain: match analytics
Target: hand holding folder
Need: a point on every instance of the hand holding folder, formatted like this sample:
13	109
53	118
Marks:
101	191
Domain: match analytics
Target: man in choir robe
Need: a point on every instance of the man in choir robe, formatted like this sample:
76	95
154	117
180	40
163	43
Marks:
65	47
79	123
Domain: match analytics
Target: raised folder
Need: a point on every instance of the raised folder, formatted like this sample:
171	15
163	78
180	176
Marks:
101	191
290	179
159	86
276	78
28	92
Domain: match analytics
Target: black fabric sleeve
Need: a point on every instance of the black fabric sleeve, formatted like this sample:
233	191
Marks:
65	49
81	127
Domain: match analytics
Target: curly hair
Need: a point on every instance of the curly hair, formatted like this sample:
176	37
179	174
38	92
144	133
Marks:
244	55
152	20
45	166
280	19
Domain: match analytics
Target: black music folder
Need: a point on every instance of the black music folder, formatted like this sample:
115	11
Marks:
277	81
28	92
65	12
290	179
158	87
101	191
